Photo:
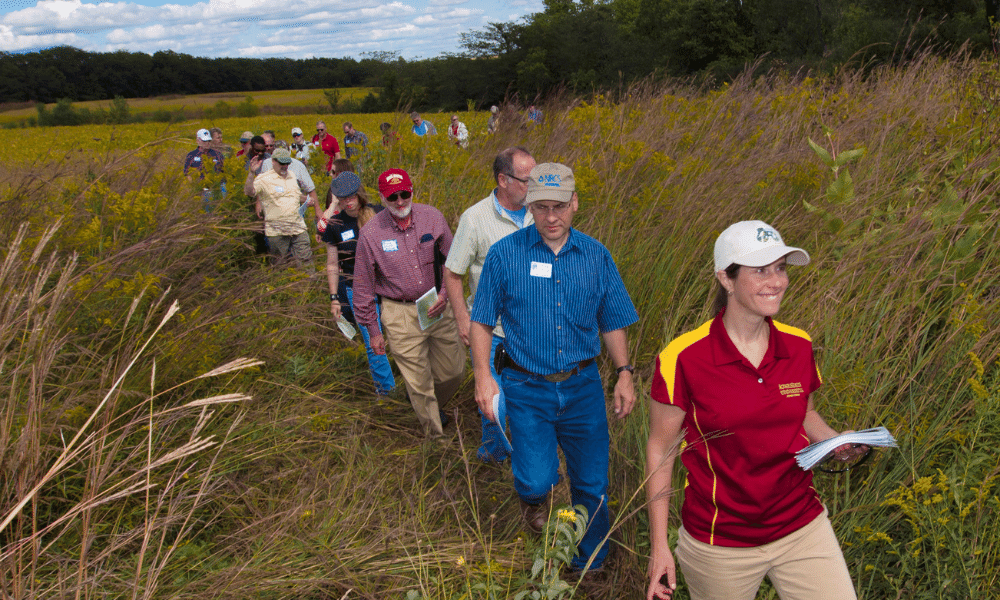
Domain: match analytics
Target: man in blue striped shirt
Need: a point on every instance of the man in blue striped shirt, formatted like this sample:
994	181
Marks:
557	292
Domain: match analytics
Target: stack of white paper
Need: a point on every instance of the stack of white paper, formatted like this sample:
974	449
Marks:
814	454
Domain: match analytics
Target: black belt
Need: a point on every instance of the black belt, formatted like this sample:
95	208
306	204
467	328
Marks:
399	301
554	377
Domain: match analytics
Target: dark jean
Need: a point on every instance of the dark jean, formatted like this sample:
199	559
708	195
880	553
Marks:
571	414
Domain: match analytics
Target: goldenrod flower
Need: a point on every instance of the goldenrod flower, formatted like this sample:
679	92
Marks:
567	516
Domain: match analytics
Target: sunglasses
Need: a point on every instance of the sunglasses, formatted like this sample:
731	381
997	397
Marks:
320	130
396	197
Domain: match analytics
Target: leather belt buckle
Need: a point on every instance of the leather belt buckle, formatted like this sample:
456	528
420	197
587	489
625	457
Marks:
560	376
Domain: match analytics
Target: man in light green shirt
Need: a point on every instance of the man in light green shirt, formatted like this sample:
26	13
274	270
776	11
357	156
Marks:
481	225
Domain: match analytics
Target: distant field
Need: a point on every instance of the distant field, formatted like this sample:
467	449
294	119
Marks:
286	98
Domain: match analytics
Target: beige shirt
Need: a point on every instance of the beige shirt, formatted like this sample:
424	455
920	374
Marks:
480	226
280	198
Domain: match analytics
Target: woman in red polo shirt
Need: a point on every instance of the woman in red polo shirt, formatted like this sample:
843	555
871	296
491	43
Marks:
740	386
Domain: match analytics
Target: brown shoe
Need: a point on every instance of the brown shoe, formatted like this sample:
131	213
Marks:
535	515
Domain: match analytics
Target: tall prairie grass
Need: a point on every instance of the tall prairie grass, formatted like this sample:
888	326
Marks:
127	472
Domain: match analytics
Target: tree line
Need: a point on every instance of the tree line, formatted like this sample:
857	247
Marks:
582	45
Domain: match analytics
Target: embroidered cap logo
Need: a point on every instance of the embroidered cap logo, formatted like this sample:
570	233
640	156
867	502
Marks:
550	180
766	235
394	179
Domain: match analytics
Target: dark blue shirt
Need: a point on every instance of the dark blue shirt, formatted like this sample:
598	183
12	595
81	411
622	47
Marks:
553	308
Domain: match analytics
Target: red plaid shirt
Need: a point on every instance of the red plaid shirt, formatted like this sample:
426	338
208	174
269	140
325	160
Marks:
397	263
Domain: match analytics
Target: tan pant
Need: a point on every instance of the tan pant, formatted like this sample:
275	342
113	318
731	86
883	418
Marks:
804	565
432	362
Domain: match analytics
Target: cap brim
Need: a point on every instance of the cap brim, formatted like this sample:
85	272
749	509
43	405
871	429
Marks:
766	256
555	195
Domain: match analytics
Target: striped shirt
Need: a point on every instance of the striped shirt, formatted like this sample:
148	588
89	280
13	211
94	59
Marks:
397	263
553	307
744	425
481	225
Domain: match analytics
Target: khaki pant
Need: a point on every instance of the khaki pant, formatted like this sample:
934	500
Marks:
298	246
804	565
432	362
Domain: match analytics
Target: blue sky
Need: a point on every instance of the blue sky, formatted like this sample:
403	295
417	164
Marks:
253	28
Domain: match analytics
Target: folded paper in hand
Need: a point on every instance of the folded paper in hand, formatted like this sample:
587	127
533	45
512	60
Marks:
814	454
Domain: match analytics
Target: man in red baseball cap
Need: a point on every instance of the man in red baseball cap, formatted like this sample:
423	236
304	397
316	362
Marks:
399	259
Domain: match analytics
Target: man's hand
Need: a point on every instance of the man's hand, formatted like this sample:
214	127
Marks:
377	343
255	163
486	389
624	395
335	309
438	307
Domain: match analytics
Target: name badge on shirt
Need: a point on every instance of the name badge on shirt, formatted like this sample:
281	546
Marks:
196	159
389	246
539	269
279	189
349	235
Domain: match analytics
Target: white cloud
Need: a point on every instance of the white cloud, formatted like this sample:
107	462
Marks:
251	27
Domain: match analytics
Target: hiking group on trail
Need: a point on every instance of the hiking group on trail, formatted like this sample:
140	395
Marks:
541	297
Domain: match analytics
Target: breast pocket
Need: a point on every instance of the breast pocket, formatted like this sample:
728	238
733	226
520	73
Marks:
425	249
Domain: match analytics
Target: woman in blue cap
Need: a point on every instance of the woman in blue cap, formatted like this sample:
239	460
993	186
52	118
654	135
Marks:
340	233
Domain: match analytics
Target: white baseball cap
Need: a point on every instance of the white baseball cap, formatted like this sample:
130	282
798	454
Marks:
754	244
204	135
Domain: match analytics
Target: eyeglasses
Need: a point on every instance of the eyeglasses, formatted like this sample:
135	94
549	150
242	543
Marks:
320	130
558	209
396	197
525	180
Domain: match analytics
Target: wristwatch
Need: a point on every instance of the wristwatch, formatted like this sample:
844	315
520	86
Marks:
628	368
333	297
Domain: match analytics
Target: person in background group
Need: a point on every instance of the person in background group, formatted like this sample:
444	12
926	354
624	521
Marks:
301	173
258	149
269	144
195	159
557	292
741	387
355	142
218	145
458	132
301	149
388	135
482	225
277	197
399	257
420	126
327	143
535	115
493	123
245	143
340	235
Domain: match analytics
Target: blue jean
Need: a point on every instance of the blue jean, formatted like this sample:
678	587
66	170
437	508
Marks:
494	448
378	364
571	414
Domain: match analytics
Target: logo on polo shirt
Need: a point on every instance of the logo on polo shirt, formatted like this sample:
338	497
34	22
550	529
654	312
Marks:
766	235
791	390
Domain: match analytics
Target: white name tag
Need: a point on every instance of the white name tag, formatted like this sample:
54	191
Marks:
389	246
348	235
541	269
279	189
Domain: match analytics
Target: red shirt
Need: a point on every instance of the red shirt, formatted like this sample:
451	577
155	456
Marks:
397	263
744	425
329	146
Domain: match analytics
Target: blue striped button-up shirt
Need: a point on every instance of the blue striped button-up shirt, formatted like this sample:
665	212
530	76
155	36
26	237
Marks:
553	307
